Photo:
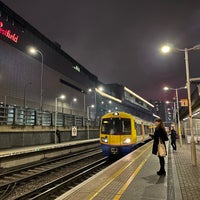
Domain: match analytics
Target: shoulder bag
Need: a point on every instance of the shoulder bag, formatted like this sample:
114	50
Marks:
161	149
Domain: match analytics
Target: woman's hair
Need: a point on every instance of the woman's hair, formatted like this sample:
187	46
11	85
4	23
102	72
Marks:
161	125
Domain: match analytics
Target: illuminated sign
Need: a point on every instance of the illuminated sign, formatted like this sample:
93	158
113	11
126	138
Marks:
7	33
77	68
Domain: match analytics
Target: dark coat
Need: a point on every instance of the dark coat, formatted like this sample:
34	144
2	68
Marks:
173	135
159	133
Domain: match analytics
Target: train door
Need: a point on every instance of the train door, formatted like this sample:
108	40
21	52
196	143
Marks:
143	131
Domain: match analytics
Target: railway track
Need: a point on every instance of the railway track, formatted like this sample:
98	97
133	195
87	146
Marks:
11	181
65	183
50	179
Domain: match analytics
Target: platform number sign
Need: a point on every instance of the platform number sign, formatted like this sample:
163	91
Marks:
74	131
184	102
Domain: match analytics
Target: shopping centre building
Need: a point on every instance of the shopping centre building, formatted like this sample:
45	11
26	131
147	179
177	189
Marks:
35	71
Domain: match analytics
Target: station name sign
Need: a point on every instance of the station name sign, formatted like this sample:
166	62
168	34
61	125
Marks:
8	33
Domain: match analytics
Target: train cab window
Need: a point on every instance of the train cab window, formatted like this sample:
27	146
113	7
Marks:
116	126
126	126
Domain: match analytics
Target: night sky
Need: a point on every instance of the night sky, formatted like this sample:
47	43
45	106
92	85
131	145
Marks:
119	41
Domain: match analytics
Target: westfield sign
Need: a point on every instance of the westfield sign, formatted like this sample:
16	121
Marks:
7	33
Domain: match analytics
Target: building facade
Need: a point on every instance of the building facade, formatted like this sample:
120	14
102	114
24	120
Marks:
31	85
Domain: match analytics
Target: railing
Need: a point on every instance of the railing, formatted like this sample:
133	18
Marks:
14	115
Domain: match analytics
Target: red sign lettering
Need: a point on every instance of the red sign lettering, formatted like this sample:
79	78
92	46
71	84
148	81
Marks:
7	33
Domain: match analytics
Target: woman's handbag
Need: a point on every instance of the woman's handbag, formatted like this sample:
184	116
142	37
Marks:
161	149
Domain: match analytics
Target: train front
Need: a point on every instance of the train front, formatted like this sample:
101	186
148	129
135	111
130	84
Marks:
117	134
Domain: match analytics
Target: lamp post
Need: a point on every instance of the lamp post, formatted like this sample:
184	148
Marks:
26	85
166	49
73	100
95	99
177	110
56	115
34	51
88	119
84	103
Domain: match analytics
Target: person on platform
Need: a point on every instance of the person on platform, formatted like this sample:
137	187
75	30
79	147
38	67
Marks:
160	133
173	138
58	136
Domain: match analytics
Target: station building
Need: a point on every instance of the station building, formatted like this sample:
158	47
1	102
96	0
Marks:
184	116
21	72
31	85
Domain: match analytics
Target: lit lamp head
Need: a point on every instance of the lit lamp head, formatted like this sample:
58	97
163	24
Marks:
101	88
62	96
166	49
74	99
33	50
165	88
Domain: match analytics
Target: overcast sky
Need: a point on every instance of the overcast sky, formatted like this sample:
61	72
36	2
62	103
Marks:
119	40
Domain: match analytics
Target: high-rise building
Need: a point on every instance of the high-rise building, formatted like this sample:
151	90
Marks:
159	109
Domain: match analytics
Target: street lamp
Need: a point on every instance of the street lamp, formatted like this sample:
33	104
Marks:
166	49
95	98
101	88
73	100
88	119
56	114
34	51
177	109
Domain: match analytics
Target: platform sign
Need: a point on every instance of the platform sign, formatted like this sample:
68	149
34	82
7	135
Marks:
184	102
74	131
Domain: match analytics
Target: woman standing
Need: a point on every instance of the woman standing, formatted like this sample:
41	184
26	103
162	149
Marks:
160	133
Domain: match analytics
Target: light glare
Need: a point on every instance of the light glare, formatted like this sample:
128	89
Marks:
33	50
165	88
165	49
62	96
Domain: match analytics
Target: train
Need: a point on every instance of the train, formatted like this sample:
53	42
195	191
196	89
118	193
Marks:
120	132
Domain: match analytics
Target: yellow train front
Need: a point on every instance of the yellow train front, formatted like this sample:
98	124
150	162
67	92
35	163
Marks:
120	132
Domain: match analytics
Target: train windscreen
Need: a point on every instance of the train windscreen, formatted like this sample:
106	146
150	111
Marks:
116	126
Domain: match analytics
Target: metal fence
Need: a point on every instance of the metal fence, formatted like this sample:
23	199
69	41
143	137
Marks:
14	115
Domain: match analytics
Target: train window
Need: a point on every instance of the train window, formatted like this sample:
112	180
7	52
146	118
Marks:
138	128
116	126
126	126
147	130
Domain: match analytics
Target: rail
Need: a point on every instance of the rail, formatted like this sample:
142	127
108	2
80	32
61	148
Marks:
10	181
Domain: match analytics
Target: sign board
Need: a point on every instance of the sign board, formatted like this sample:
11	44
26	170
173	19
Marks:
74	131
184	102
7	32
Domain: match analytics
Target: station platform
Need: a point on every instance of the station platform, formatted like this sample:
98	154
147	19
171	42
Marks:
134	178
30	149
13	157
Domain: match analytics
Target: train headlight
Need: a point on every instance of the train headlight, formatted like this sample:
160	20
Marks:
105	140
116	113
127	141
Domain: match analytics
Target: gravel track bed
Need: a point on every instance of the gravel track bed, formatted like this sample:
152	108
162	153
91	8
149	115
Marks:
38	182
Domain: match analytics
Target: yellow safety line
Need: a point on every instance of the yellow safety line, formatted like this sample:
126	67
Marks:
121	191
99	189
